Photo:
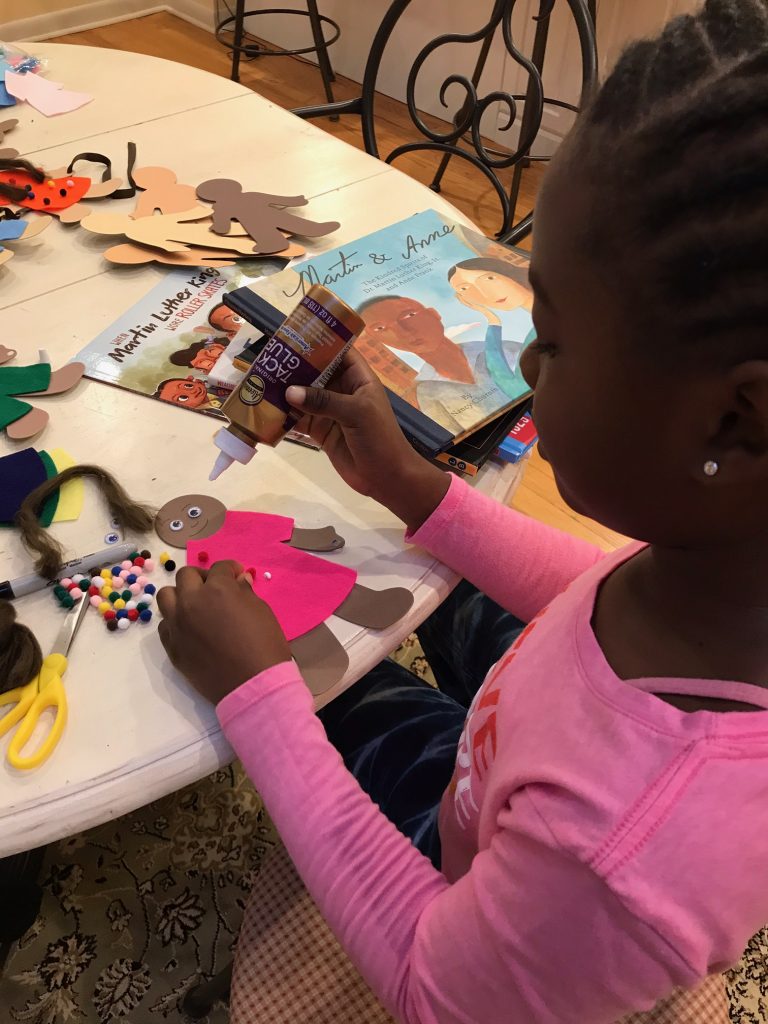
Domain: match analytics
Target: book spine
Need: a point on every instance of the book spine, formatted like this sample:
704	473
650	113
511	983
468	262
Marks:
426	436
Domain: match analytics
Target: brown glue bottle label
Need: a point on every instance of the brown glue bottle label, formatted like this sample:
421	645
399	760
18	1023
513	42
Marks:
305	350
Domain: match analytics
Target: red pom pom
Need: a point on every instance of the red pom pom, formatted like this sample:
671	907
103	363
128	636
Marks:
74	587
111	614
93	591
138	561
133	614
202	556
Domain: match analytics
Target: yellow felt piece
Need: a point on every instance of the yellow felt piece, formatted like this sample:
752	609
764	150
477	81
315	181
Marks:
72	494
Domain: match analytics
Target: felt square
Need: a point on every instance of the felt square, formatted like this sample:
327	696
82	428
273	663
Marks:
72	494
303	590
20	473
24	380
48	511
12	229
11	409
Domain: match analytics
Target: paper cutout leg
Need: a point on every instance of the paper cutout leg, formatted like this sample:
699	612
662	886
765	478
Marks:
375	609
28	426
130	254
323	539
6	354
321	659
61	381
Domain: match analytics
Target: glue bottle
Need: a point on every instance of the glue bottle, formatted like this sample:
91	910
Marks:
306	349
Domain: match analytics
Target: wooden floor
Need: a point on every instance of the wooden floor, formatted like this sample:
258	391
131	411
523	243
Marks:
291	82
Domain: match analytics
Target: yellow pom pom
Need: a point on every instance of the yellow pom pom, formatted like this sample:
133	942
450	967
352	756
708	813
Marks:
104	606
119	603
106	574
106	591
164	558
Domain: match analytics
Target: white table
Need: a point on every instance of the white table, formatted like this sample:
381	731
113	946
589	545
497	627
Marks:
136	730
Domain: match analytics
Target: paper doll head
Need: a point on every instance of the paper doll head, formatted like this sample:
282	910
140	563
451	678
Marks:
189	517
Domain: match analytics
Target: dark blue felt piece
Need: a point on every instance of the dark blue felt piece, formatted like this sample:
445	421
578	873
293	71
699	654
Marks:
20	473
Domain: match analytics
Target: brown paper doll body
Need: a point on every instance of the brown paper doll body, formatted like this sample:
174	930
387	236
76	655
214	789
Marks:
302	590
176	232
263	216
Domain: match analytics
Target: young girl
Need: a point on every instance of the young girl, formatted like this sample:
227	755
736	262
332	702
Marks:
596	827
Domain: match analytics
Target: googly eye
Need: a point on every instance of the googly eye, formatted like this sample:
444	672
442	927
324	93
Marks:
194	512
114	524
112	538
176	525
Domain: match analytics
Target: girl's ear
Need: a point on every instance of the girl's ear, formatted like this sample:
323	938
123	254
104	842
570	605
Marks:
739	446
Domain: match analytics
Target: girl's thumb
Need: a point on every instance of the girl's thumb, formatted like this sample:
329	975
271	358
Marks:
321	402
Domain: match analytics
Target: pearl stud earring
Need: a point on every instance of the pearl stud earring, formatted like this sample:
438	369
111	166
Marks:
711	468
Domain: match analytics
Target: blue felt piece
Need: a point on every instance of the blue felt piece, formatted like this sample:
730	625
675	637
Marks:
6	100
11	229
20	473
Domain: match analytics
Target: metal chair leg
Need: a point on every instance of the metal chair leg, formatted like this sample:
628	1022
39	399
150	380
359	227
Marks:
199	1001
238	40
324	61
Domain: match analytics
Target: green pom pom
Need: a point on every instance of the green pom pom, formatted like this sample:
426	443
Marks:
114	596
133	555
67	601
84	585
59	591
126	595
141	606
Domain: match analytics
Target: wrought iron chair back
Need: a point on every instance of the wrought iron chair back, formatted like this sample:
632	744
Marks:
462	136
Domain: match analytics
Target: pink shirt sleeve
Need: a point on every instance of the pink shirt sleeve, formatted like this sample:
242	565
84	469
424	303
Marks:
470	532
528	934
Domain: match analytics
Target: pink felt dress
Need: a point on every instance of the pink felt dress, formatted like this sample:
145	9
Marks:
301	589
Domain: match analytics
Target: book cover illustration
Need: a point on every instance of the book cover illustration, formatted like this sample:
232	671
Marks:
166	345
447	314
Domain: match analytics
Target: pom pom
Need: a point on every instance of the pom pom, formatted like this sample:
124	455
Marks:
122	614
131	578
202	556
112	625
147	599
149	565
126	595
104	607
133	615
123	623
114	595
135	589
66	582
77	577
105	592
76	594
59	591
106	574
150	588
110	614
127	564
117	583
145	615
169	565
130	605
133	555
146	554
93	590
138	561
67	601
116	570
118	604
141	606
85	585
164	556
96	600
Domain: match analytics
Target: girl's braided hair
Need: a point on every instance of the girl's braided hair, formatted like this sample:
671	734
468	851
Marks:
676	149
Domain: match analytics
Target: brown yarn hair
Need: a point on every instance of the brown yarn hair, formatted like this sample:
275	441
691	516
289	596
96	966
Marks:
16	193
36	539
20	654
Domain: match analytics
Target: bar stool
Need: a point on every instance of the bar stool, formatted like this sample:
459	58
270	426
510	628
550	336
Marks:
240	47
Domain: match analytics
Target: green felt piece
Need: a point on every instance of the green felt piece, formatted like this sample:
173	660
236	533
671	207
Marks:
49	508
11	409
24	380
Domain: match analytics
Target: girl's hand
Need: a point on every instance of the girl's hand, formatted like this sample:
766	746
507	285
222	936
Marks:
216	631
353	421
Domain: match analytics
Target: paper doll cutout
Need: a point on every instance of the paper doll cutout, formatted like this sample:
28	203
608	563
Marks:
8	152
131	254
175	232
162	192
55	192
14	229
7	354
300	588
20	419
263	216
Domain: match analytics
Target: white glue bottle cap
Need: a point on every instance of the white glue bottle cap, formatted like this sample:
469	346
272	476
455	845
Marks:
231	449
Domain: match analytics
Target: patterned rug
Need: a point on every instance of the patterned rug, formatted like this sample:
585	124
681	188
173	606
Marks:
135	912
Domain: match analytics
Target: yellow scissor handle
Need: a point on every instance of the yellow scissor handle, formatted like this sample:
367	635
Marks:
50	695
22	698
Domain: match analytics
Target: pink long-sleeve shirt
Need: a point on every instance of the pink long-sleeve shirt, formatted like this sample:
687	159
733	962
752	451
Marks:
599	846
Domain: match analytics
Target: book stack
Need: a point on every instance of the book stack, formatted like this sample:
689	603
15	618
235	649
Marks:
447	315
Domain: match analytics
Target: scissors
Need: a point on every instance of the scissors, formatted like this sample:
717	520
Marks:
46	690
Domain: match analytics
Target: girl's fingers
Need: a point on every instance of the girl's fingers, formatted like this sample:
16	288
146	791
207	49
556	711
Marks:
166	602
